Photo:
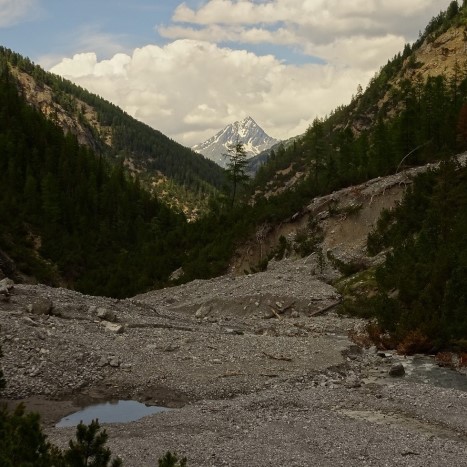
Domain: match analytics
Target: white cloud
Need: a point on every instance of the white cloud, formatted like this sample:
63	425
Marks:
306	12
359	52
12	11
298	22
219	33
192	87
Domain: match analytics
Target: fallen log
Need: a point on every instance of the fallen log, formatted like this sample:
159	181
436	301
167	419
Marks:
273	357
323	310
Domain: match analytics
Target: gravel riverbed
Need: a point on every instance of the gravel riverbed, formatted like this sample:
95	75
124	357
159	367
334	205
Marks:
255	372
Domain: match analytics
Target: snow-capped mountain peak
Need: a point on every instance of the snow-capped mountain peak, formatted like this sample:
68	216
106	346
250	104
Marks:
247	131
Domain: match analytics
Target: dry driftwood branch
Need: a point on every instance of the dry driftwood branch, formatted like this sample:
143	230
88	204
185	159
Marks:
323	310
285	359
275	312
286	307
232	373
280	311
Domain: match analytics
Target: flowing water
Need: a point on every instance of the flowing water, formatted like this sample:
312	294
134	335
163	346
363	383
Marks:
424	369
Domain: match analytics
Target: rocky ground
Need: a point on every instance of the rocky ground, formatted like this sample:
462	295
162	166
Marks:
258	368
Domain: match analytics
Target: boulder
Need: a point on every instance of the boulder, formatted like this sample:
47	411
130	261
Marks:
114	361
352	382
6	285
40	306
106	314
177	274
397	370
113	327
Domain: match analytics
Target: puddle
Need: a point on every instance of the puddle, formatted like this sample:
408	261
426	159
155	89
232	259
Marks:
111	412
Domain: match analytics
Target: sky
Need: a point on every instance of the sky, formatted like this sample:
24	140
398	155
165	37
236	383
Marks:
189	68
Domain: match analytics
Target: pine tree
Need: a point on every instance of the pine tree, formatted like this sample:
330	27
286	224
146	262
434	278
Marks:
89	448
171	460
236	166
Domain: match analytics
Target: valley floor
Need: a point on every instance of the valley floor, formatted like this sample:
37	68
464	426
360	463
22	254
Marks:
257	372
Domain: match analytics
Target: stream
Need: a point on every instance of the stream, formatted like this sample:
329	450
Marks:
424	369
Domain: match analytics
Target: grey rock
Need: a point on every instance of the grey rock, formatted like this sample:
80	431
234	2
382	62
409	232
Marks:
40	306
114	362
41	334
177	274
6	285
103	361
397	370
203	311
292	332
352	382
30	322
106	314
113	327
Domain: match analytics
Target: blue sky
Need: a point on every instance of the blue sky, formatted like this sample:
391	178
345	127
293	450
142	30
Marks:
190	68
60	28
53	29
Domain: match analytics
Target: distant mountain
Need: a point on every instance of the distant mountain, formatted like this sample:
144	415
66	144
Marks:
246	131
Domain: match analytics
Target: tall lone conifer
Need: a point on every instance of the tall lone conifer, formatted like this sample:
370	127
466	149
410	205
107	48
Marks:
236	166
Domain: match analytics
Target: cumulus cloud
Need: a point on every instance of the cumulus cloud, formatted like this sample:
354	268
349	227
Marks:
190	89
362	30
12	11
323	14
195	84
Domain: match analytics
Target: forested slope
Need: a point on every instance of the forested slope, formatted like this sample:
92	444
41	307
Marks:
164	166
411	107
71	218
422	298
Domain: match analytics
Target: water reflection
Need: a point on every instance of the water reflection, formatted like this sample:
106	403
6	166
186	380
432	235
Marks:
110	412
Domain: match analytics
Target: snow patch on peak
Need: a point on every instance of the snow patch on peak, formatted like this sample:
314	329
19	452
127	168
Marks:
247	131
